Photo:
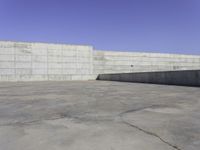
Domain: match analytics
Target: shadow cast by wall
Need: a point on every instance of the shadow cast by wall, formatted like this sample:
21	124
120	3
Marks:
180	78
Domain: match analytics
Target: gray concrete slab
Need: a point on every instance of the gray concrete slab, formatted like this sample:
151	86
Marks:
98	115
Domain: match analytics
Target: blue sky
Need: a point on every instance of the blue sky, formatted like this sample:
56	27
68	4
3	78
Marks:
165	26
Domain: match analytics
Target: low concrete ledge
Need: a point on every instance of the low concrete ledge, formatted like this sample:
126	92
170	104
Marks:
183	78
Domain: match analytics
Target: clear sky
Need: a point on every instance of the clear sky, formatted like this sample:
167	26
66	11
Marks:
166	26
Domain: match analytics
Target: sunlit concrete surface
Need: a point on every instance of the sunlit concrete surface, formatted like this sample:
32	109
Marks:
27	61
98	115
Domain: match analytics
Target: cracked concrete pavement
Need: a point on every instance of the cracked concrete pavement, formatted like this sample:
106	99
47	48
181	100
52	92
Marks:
96	115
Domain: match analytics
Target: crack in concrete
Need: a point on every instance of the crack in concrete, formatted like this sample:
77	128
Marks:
141	108
135	110
143	130
32	121
62	116
152	134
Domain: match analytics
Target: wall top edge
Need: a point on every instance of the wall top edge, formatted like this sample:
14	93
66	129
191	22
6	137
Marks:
45	43
100	51
144	53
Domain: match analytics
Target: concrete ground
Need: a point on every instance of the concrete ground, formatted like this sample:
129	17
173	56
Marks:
98	115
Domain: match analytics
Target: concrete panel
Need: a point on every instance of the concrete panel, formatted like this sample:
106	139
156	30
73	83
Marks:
69	60
39	65
25	65
8	64
20	51
57	65
70	71
5	71
55	58
39	60
39	51
69	65
7	51
7	57
118	62
23	77
36	61
59	77
55	52
23	58
70	53
23	71
77	77
55	71
7	77
39	71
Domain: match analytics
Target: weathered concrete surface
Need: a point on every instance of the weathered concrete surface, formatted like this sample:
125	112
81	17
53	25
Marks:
126	62
26	61
183	77
98	115
23	61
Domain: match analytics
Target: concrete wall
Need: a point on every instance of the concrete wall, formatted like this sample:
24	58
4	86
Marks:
183	78
124	62
38	61
22	61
